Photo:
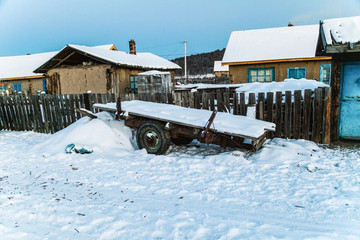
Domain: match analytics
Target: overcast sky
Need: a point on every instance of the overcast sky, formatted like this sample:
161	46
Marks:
157	26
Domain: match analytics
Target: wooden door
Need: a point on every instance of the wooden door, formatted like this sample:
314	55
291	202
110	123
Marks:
349	122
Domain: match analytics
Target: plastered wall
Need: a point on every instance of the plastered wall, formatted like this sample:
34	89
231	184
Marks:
239	74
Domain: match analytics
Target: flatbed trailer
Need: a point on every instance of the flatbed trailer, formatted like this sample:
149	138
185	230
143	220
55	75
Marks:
159	124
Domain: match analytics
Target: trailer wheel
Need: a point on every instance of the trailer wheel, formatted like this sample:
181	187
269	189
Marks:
152	137
181	141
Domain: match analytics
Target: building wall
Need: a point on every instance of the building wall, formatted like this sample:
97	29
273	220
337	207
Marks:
80	79
218	73
239	73
29	86
96	78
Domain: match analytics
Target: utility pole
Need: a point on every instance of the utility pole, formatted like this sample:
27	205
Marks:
186	76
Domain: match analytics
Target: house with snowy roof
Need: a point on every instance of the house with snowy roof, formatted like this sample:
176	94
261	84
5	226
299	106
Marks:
274	54
79	69
340	39
221	71
16	73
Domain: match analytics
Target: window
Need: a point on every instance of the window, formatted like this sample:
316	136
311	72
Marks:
325	73
44	85
261	74
17	87
296	73
133	84
2	87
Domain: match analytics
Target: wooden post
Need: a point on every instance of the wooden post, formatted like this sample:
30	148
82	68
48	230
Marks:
317	115
297	114
307	114
278	115
87	101
287	123
242	104
260	106
236	104
269	106
326	118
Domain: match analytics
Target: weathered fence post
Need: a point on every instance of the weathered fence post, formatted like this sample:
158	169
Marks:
326	118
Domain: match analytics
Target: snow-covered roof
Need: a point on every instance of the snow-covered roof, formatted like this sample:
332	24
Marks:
153	72
22	66
143	60
272	44
106	46
341	30
220	68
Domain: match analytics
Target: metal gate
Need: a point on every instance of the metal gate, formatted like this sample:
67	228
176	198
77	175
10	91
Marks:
349	122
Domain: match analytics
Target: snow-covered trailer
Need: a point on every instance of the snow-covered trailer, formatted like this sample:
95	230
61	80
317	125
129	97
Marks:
159	124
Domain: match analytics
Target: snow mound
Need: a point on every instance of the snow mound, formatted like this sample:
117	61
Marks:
287	85
100	135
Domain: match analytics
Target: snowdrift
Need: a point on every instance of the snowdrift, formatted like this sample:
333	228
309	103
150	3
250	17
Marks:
100	135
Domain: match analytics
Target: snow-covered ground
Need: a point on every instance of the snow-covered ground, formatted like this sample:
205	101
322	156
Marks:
290	189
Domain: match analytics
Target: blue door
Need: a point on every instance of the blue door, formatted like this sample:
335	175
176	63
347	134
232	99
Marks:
349	122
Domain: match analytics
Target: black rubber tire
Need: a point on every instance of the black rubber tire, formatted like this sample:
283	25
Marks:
180	141
152	136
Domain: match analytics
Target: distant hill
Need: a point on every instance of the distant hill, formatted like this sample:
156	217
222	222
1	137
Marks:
199	64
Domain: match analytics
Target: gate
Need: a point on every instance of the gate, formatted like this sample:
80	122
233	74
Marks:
349	122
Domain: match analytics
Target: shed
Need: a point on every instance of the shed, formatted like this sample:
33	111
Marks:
154	82
340	39
77	69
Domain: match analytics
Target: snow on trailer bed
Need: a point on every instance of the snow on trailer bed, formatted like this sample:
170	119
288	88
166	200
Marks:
234	125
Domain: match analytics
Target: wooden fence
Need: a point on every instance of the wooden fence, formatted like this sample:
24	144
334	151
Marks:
297	116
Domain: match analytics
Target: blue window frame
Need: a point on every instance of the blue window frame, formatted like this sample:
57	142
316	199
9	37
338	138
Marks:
296	73
2	87
325	73
261	74
133	84
17	87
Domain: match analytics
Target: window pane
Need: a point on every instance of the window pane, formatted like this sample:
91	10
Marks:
261	73
301	73
253	73
261	78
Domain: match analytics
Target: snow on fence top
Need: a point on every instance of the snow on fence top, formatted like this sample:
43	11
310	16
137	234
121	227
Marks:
220	68
286	85
223	122
341	30
202	86
153	72
272	44
22	66
145	60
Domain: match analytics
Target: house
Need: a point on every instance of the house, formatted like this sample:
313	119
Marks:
221	71
274	54
79	69
340	39
16	73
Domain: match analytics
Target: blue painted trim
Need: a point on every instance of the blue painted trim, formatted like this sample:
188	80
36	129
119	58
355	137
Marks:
257	69
341	91
296	68
17	86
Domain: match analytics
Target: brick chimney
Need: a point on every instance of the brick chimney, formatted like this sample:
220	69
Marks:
132	47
